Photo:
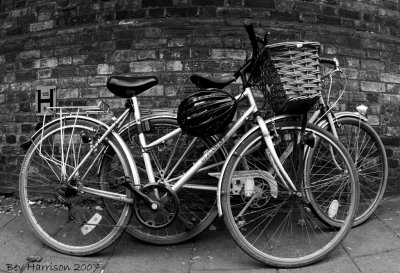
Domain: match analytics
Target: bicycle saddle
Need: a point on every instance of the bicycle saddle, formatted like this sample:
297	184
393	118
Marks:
127	87
209	82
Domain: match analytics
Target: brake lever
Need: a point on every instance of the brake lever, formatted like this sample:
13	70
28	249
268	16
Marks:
265	40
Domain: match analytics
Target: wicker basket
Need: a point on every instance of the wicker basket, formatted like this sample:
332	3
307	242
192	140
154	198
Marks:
289	70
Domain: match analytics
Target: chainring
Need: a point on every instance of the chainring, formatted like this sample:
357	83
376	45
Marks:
168	206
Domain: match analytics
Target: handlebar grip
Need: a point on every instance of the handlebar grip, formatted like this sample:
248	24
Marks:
250	31
333	61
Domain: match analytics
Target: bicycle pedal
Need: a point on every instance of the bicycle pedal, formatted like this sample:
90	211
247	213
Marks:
63	200
120	181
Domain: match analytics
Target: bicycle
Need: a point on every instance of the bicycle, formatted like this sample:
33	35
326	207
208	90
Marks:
362	141
369	155
91	196
364	145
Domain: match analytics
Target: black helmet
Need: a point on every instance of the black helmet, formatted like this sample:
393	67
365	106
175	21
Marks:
206	112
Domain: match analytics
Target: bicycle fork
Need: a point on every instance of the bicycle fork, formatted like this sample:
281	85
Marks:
272	156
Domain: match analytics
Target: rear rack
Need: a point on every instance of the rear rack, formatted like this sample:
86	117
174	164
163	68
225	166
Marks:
101	108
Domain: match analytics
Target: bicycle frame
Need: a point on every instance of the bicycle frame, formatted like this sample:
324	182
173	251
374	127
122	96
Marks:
252	109
326	118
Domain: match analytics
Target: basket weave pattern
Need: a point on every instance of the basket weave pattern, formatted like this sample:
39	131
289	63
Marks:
286	70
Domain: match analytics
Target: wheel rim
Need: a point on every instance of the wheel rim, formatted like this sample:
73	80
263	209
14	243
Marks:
286	231
70	221
369	155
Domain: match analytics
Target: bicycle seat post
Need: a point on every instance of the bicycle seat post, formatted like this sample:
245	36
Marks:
142	139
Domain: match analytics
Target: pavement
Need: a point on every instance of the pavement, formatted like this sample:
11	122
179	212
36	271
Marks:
371	247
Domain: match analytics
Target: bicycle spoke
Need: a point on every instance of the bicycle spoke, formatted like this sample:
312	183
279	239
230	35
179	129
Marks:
295	226
69	220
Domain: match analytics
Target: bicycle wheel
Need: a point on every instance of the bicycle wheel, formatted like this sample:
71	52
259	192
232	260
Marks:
68	220
172	158
278	226
368	153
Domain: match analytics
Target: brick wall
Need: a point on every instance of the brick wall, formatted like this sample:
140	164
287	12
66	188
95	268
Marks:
76	44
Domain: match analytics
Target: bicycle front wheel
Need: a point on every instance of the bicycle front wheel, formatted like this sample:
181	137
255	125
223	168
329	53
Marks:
280	226
67	217
368	153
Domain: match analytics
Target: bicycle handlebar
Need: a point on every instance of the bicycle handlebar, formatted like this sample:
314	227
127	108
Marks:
254	40
250	31
333	62
252	37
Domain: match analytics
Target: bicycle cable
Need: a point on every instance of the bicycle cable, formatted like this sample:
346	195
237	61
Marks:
331	105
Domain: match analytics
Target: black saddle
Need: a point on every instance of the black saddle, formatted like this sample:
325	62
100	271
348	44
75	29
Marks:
209	82
127	87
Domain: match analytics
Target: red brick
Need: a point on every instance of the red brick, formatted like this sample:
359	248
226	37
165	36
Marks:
97	81
228	54
47	62
329	20
64	71
146	66
156	3
87	70
208	2
233	12
39	26
90	93
182	12
44	73
372	64
67	93
156	13
373	86
29	54
270	4
103	69
146	54
72	82
174	66
149	43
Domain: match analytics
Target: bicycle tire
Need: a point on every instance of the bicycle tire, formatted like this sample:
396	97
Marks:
369	156
292	235
71	221
197	208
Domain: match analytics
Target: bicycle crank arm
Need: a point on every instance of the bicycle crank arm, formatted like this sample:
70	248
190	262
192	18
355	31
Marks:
124	181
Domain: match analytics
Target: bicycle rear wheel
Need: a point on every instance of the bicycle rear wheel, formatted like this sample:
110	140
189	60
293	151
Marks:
67	218
170	160
278	226
368	153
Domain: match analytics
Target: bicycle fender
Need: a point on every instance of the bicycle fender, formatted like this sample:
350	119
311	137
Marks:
103	125
26	145
47	125
338	115
233	154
